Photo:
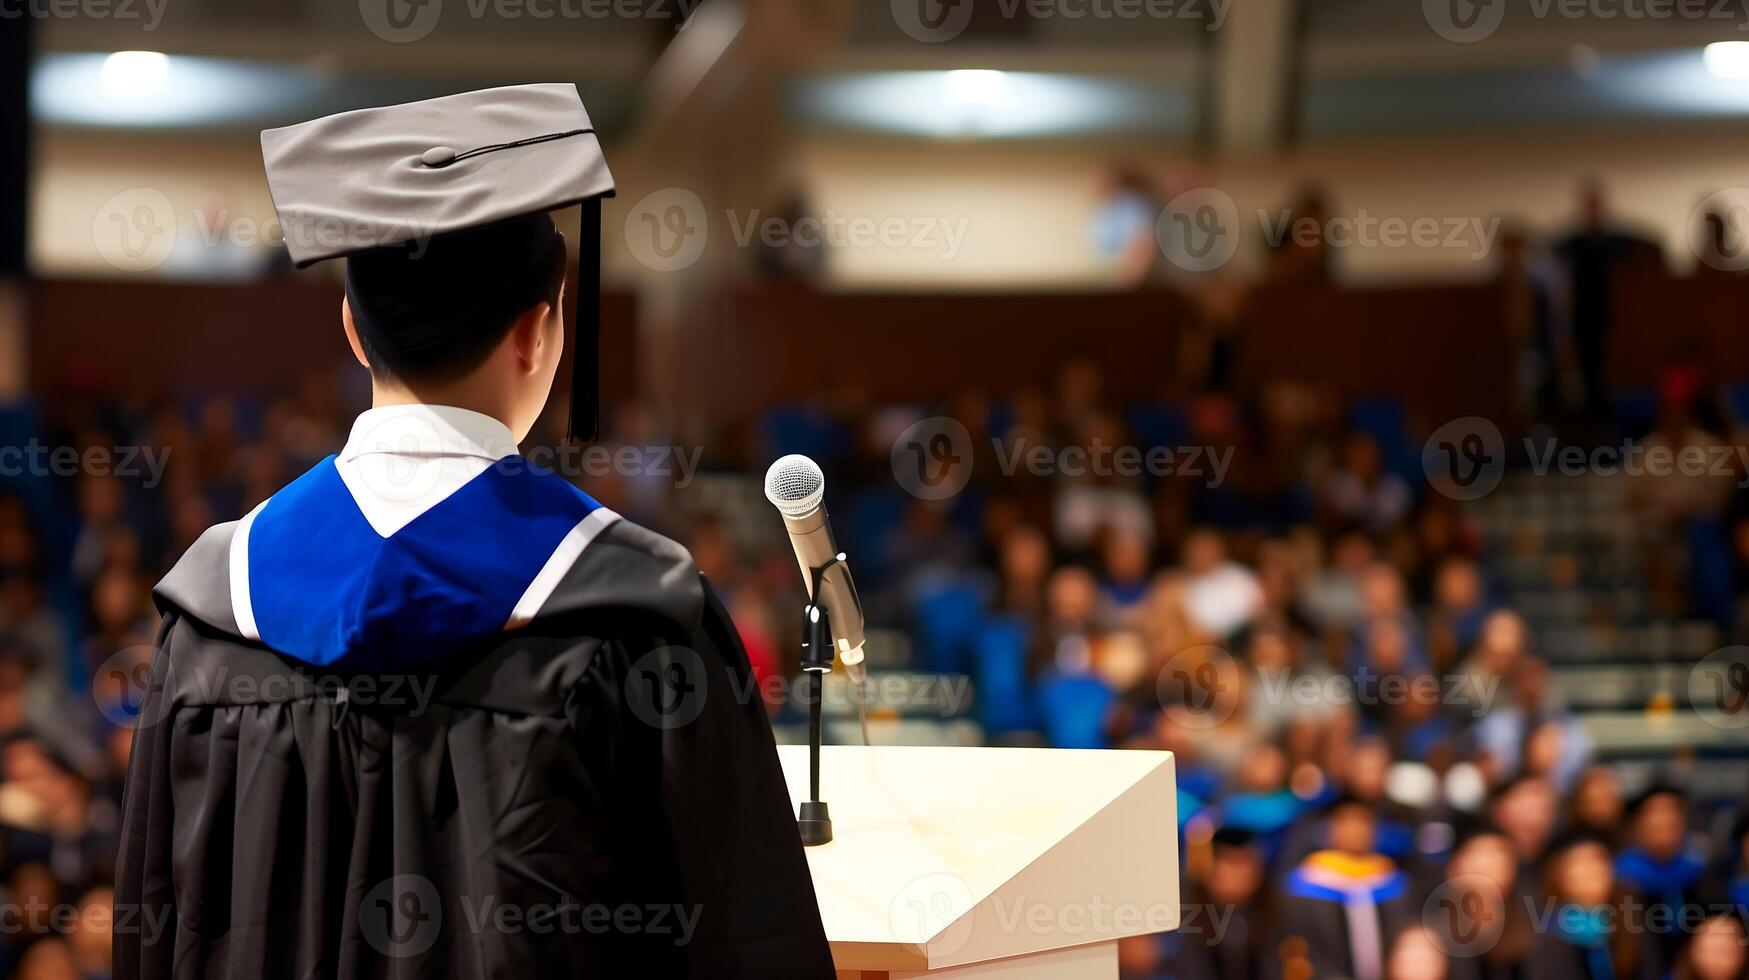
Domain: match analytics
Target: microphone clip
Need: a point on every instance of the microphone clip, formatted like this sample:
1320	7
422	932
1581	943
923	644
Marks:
818	647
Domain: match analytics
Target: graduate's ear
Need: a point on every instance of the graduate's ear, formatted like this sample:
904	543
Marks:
532	338
352	333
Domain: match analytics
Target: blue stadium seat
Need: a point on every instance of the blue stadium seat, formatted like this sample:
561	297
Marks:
804	429
874	515
1738	394
948	614
1633	411
1073	709
1157	424
1710	577
1383	418
999	671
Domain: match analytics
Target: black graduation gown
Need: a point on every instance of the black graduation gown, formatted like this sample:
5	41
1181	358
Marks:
1315	917
531	818
1240	946
1553	958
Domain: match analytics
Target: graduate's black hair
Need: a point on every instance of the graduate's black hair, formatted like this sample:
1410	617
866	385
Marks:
432	311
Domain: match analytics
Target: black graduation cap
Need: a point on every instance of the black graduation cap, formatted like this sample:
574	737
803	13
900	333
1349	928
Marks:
461	184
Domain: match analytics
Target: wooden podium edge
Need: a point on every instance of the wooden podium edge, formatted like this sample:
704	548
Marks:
965	951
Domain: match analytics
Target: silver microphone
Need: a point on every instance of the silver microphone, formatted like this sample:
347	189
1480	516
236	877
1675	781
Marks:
796	487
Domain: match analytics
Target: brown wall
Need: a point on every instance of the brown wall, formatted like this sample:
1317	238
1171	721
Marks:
1441	350
782	344
1659	318
156	338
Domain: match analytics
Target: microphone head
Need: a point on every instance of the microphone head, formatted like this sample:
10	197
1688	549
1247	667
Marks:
795	485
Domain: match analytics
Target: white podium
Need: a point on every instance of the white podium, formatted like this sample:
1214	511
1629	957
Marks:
995	864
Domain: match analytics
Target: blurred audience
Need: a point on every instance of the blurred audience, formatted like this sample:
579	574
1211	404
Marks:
1378	775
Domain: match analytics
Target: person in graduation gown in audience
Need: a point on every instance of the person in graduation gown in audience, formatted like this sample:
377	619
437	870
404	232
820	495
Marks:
1232	934
1342	905
430	710
1579	931
1481	916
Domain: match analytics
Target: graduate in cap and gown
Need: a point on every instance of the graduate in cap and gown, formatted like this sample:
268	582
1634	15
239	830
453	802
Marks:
430	710
1342	905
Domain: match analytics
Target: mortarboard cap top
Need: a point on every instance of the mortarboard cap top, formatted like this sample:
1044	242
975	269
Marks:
400	176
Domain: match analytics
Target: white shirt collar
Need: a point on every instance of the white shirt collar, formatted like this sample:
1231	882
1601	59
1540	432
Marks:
402	460
428	430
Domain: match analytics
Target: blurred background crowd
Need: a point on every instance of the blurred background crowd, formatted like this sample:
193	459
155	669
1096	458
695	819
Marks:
1354	668
1369	534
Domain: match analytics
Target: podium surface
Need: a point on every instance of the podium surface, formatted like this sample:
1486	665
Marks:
963	863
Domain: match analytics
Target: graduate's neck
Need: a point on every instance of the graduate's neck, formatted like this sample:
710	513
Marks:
466	393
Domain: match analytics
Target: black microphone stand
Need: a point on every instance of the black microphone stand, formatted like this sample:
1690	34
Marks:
818	652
